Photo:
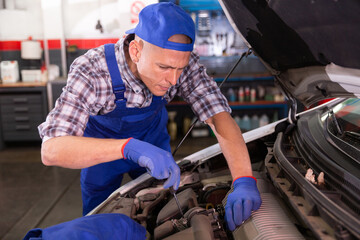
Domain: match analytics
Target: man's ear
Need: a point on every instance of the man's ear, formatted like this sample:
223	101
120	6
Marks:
134	51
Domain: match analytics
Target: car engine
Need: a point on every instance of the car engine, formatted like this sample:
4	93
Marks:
202	189
202	196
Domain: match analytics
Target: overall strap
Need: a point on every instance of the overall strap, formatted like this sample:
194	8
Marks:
117	82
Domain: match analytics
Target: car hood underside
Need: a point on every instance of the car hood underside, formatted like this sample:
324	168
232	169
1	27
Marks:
310	46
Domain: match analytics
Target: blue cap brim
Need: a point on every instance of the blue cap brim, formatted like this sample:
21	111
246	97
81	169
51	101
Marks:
130	31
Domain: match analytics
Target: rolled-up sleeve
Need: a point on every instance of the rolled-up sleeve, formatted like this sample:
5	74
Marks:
201	91
81	97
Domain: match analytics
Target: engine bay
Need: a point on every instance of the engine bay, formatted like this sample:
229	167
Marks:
202	190
285	180
202	194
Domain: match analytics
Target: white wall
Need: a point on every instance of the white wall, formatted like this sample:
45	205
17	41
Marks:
52	19
17	24
79	19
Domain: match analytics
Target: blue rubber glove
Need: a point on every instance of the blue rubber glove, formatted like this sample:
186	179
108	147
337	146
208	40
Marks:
159	163
241	202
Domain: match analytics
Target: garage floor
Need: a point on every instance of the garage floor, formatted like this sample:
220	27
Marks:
33	195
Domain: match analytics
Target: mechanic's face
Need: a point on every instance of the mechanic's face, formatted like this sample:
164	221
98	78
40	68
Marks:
160	68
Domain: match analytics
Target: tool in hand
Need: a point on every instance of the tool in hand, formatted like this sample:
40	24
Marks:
173	192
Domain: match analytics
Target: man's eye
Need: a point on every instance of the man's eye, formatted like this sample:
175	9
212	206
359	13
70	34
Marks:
163	67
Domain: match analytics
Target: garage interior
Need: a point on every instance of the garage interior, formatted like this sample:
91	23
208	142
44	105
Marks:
36	196
33	195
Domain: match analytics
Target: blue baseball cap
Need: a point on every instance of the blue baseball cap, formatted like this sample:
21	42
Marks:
159	21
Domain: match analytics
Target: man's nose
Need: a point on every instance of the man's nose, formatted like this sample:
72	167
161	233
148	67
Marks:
173	77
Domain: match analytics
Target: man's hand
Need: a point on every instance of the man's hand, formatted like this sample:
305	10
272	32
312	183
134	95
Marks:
242	201
159	163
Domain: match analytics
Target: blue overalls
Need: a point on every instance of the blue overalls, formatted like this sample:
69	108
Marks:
105	226
99	181
147	124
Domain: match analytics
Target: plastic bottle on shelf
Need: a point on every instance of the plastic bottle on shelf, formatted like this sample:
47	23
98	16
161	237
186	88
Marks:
252	94
279	97
247	94
264	120
231	95
241	94
261	92
186	124
172	126
246	123
255	121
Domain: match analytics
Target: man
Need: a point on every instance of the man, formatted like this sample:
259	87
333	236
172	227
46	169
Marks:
111	117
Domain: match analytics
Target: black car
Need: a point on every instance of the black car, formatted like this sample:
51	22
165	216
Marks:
307	165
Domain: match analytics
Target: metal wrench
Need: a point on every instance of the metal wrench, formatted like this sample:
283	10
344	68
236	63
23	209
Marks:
173	192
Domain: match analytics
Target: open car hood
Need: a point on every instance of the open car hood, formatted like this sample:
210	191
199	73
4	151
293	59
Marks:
311	47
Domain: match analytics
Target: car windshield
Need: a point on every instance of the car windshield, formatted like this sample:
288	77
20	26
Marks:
346	121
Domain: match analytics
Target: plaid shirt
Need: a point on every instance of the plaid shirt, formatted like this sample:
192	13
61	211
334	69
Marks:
89	92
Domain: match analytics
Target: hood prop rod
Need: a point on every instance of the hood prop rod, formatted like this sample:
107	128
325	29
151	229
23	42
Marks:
245	54
292	109
290	100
